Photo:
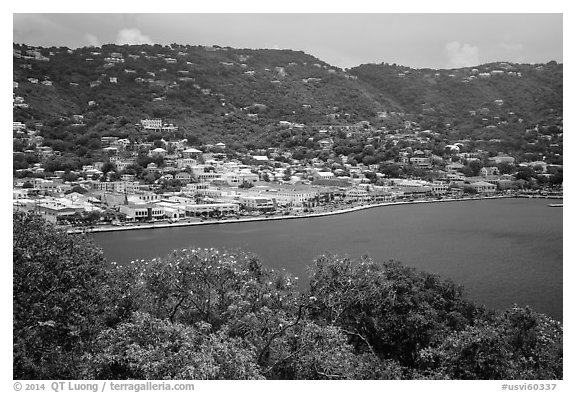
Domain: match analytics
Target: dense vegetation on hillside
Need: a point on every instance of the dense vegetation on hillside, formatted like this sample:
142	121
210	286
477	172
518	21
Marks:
533	95
213	314
209	92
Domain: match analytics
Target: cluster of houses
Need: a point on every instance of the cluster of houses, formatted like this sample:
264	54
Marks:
207	181
467	75
53	198
210	183
119	63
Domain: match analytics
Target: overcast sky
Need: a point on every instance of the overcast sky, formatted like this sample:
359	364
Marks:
441	40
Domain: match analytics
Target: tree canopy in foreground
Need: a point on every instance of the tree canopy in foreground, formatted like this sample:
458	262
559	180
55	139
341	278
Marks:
213	314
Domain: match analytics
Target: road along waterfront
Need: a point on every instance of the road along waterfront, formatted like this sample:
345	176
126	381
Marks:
111	228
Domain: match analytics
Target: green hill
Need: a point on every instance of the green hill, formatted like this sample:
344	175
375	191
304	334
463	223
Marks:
214	93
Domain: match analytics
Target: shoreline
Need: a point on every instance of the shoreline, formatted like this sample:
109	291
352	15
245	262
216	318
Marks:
289	217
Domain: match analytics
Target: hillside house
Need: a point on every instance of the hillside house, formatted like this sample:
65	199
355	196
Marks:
261	159
158	152
184	177
489	171
238	178
18	126
421	162
454	167
323	175
191	153
500	159
152	167
326	144
152	124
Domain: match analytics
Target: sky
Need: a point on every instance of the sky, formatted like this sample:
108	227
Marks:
346	39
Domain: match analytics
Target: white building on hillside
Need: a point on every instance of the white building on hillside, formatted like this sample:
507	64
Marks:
152	124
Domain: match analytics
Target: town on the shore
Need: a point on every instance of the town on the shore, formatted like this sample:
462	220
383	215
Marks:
169	181
157	175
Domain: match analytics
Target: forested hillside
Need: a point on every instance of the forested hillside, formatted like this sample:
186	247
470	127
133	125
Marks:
239	95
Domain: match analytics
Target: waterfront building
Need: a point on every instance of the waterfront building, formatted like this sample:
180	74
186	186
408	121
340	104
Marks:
296	198
212	209
415	192
142	211
405	183
53	208
257	203
483	187
172	209
439	188
356	194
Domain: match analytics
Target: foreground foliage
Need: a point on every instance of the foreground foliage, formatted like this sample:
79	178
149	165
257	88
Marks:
58	302
208	314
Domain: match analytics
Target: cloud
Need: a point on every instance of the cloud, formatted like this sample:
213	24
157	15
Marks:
92	39
461	55
132	37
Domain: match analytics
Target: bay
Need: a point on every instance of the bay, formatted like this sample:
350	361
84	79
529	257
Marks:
503	252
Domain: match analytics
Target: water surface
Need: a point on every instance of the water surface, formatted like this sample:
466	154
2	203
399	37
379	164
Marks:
503	252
